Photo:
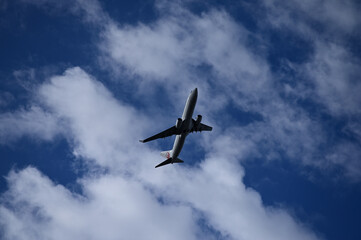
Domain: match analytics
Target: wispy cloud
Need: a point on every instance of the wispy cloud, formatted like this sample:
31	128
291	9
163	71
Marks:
238	74
313	18
131	192
335	73
330	75
114	208
89	110
34	123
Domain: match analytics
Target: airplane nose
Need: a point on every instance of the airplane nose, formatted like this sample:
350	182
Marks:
194	92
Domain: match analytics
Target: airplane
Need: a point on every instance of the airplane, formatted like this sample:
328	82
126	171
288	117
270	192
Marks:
182	128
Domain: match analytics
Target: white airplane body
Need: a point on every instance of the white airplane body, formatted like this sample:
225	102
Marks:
182	128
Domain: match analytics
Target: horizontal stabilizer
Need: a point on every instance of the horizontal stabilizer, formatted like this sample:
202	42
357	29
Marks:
177	160
169	160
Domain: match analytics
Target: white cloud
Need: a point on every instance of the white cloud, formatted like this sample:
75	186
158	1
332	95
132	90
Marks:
33	122
114	208
175	45
332	68
168	52
154	52
125	202
332	18
216	189
330	76
170	49
347	154
99	124
336	74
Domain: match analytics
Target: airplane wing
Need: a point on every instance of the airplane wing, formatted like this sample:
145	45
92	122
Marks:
203	127
166	133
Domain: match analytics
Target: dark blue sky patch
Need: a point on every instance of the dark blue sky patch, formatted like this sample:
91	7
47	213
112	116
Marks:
131	12
287	45
13	94
355	46
339	129
234	115
34	38
332	209
53	159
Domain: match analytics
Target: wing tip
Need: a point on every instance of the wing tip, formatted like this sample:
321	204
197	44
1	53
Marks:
142	141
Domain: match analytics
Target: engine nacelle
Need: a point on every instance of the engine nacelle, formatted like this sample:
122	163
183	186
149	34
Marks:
198	120
178	124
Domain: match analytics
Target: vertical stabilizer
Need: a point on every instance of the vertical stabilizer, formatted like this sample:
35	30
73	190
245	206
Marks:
166	154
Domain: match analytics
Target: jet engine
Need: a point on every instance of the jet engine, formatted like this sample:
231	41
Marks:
198	120
178	124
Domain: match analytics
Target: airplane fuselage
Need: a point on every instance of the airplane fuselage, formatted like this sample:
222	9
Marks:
187	123
181	129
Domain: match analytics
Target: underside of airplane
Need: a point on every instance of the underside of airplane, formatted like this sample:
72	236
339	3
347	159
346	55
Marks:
181	129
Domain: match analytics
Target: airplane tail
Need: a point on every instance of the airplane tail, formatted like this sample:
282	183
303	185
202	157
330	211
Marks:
169	160
166	154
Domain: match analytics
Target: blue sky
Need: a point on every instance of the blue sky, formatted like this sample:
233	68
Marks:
83	81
